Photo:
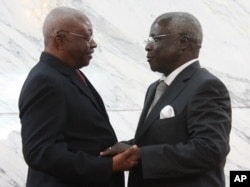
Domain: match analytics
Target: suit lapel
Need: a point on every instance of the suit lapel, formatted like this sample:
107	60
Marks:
148	100
168	96
97	99
89	91
72	76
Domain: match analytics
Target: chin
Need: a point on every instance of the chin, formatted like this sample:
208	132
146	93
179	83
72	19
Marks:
86	63
153	68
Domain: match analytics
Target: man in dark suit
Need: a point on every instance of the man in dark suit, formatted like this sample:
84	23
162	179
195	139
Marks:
184	137
64	121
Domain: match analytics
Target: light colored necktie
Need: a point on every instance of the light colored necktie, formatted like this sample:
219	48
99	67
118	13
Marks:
162	86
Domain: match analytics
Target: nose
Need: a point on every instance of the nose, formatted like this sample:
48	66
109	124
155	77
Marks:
93	44
148	46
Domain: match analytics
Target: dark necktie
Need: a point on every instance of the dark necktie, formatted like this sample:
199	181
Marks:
162	86
82	77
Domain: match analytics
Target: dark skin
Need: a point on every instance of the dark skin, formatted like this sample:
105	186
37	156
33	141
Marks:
77	52
164	55
73	50
115	149
168	53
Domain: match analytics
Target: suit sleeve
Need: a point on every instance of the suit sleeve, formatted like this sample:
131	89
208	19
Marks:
208	119
43	117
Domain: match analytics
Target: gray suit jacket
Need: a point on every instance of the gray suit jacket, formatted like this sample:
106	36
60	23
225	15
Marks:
190	148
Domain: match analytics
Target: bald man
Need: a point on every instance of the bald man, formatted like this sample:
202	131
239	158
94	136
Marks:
183	136
64	121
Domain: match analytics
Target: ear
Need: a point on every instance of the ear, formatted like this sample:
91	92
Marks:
184	42
59	42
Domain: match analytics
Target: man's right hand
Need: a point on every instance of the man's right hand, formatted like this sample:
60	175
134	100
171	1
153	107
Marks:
127	159
115	149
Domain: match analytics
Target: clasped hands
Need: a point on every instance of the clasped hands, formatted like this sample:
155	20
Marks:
124	156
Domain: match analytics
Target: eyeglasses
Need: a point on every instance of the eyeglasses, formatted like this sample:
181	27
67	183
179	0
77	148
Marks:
157	38
87	38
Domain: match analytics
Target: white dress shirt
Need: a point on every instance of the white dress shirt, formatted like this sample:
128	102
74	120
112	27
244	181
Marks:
169	79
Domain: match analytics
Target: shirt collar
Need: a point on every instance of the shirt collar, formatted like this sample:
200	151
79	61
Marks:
169	79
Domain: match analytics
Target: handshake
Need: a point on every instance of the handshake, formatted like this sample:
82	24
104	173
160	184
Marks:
124	156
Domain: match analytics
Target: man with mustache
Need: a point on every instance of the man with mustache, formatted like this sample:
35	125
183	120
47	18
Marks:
64	121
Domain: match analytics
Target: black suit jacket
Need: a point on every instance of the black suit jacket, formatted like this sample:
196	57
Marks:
189	149
64	127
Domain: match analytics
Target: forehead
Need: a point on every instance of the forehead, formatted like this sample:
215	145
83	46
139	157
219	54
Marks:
85	25
159	27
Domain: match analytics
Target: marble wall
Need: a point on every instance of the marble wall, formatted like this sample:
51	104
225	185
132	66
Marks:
119	69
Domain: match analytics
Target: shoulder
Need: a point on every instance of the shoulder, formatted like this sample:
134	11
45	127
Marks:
40	79
203	76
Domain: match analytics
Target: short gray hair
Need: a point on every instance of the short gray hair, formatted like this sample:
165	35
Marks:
61	18
183	23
